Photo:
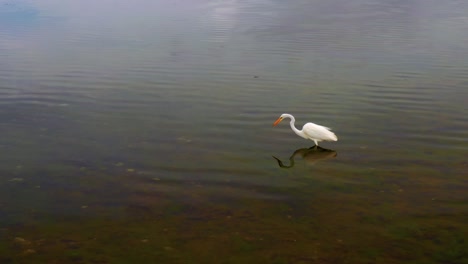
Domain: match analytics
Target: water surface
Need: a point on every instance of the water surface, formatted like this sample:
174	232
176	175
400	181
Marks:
148	123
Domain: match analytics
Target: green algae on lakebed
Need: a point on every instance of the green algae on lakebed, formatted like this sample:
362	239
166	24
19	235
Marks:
308	229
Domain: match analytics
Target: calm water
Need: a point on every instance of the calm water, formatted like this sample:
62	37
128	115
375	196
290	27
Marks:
141	131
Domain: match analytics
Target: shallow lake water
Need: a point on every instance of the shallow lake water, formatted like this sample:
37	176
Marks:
141	131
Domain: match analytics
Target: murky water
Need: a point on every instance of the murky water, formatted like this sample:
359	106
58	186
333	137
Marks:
141	131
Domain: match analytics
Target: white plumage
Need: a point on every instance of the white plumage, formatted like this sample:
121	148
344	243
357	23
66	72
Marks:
310	131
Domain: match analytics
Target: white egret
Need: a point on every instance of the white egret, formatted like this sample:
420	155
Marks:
310	131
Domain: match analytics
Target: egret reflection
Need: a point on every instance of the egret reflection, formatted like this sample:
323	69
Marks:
309	155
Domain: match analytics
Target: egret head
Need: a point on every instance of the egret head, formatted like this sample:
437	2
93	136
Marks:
280	119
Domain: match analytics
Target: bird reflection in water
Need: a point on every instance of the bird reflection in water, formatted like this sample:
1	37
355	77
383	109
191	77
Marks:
309	155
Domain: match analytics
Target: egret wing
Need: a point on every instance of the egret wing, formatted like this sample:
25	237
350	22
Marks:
318	132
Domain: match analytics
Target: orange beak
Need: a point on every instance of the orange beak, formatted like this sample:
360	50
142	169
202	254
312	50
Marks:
277	121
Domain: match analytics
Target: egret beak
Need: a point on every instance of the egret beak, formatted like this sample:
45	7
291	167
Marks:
277	121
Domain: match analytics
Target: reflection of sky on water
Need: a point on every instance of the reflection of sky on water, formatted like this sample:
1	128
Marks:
223	20
15	17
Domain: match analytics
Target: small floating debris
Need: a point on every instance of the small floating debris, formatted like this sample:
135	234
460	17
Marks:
131	170
184	139
16	180
119	164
